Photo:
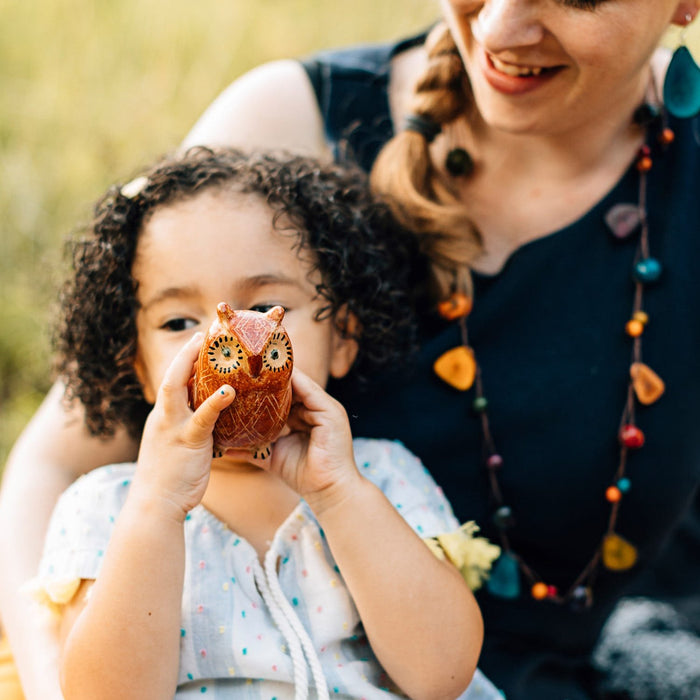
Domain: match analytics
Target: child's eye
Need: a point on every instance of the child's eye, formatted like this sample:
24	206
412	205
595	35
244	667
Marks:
582	4
175	325
264	308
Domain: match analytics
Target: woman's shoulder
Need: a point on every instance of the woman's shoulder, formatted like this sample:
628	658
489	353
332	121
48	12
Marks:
273	106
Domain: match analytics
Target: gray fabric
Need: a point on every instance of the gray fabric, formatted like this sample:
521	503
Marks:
648	651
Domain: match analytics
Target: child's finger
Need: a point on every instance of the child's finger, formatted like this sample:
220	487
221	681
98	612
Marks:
309	393
180	370
204	418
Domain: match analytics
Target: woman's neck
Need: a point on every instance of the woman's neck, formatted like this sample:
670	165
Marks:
250	501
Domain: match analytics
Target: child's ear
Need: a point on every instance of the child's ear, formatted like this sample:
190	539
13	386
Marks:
344	350
142	376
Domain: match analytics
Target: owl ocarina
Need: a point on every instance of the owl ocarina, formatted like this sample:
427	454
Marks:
250	351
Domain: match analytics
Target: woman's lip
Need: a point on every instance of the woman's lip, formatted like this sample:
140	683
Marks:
515	84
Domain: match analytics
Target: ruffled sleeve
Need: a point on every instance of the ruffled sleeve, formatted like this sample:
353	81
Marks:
78	534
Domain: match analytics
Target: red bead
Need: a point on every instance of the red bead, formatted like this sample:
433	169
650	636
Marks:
552	591
613	494
631	436
644	150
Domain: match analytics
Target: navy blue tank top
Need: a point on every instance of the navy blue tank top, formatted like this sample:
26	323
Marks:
548	331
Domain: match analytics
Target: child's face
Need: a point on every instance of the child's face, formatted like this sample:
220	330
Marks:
221	246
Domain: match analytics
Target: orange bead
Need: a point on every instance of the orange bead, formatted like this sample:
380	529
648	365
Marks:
648	386
634	328
644	164
666	136
641	316
539	591
457	367
613	494
456	306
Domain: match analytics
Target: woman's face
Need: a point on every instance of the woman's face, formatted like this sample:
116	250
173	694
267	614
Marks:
550	66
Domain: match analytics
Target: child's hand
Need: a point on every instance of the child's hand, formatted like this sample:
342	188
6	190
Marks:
316	458
176	447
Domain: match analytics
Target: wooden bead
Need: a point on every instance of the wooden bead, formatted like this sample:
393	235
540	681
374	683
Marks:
613	494
457	367
647	385
644	164
647	270
666	136
480	404
456	306
641	316
631	436
634	328
539	590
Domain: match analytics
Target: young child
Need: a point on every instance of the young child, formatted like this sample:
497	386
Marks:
300	575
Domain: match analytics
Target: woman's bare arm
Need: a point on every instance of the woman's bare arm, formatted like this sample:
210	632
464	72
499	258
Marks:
52	451
271	107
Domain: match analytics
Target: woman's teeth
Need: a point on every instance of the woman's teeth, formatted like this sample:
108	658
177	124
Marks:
510	69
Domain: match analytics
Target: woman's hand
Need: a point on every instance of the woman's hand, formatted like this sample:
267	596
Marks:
176	447
316	457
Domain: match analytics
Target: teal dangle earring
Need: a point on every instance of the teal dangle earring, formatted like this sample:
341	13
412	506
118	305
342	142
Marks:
682	83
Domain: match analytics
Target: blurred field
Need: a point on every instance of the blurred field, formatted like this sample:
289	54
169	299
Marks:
89	91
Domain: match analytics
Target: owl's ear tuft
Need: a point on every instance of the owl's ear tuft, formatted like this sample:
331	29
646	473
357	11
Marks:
276	313
225	313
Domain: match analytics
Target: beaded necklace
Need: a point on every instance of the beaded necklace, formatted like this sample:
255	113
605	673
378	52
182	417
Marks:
459	368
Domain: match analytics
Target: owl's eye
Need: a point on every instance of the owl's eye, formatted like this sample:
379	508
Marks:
176	325
278	353
225	354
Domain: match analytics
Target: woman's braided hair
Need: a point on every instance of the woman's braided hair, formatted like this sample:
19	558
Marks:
365	260
405	176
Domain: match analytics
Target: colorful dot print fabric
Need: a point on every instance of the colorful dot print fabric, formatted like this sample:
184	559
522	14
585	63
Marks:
253	629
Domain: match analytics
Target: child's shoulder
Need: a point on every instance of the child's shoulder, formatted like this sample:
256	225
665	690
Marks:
113	478
99	492
405	481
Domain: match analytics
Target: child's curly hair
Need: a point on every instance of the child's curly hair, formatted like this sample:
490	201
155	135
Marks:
366	263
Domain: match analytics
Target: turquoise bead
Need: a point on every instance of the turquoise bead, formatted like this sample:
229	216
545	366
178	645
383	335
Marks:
504	581
682	85
647	270
624	484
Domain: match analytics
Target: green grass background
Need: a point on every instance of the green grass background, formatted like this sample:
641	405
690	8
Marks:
92	89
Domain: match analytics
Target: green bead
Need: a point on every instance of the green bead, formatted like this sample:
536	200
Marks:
480	404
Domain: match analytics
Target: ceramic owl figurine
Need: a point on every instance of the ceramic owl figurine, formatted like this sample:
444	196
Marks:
252	352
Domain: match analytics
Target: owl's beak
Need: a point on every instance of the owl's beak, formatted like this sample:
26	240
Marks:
254	365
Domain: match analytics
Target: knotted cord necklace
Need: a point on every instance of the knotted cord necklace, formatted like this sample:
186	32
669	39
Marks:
459	368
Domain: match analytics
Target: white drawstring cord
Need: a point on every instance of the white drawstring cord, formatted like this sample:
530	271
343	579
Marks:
301	677
293	619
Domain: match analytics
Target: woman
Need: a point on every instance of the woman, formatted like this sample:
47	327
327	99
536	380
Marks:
554	126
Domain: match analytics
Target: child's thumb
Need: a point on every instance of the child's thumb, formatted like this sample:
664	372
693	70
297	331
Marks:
204	418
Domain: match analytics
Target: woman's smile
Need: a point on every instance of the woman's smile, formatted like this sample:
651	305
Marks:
515	78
